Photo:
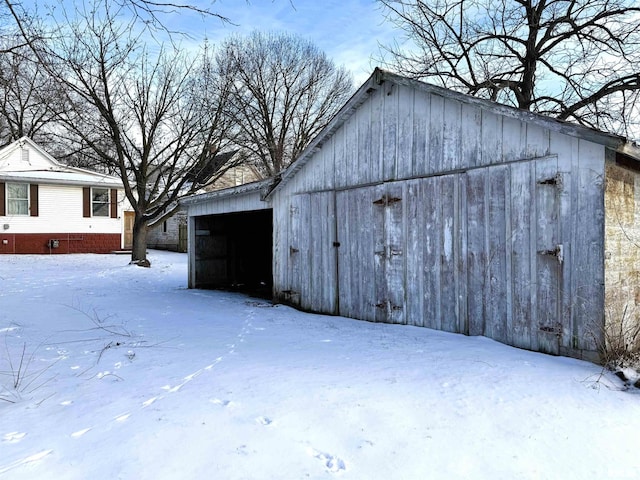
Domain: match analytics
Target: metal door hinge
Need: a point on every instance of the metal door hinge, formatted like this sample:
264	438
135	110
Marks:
557	252
387	305
388	252
556	180
552	329
386	200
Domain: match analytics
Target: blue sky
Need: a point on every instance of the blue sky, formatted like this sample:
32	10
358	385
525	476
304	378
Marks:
349	31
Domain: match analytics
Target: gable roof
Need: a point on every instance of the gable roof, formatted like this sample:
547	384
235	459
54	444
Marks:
43	168
380	77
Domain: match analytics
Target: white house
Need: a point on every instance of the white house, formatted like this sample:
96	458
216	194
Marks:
47	207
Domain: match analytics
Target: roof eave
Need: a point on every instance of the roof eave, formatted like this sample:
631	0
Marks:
244	189
112	183
358	98
630	149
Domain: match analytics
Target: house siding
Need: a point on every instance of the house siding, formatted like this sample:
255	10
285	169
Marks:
56	197
60	210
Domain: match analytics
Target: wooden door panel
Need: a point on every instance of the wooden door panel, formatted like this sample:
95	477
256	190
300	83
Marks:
322	252
549	258
129	218
477	261
393	276
297	252
356	253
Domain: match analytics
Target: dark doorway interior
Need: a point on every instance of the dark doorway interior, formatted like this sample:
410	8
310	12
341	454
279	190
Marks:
234	252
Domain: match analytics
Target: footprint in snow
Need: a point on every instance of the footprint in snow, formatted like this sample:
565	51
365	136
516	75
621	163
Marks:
122	418
223	403
170	389
13	437
30	459
80	433
149	402
332	463
264	421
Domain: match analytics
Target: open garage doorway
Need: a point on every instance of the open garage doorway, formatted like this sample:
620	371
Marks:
233	251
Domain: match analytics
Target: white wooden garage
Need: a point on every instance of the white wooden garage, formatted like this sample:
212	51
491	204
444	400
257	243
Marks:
422	206
229	239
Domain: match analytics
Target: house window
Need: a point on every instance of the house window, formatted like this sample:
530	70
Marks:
17	199
100	202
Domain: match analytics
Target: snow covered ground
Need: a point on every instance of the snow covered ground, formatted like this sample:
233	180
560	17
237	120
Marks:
127	374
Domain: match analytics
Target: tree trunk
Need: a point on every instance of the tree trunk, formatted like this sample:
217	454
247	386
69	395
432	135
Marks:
139	248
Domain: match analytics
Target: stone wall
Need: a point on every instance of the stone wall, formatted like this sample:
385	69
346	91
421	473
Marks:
622	255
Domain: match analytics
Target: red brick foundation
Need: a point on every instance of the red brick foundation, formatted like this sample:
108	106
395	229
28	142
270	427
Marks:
67	242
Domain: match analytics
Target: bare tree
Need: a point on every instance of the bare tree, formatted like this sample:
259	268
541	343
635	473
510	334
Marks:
572	59
148	115
150	13
284	91
29	102
12	17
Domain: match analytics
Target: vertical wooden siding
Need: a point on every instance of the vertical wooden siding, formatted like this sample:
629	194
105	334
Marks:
461	250
308	262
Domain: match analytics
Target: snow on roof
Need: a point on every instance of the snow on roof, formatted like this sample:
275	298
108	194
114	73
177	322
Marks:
62	177
46	169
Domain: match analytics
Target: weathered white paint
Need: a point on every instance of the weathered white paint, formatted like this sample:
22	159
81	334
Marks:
470	247
242	198
236	199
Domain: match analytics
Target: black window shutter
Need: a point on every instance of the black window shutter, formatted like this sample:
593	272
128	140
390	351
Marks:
113	199
33	195
2	212
86	202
